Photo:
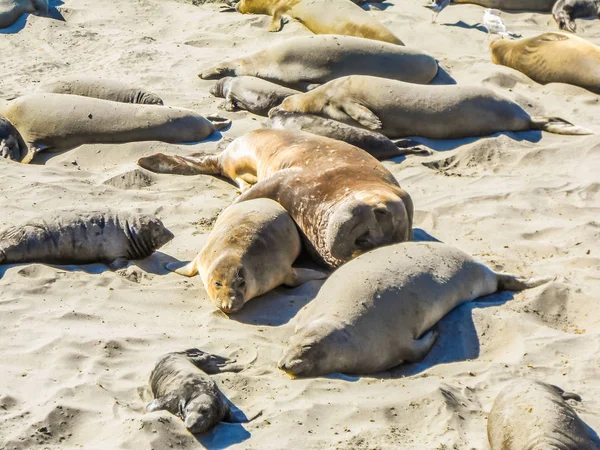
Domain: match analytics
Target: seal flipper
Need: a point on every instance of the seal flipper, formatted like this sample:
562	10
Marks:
212	364
557	125
158	404
32	150
277	22
362	115
219	122
299	276
511	283
188	270
267	188
422	346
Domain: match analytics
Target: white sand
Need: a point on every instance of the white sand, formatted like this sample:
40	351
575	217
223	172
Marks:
78	343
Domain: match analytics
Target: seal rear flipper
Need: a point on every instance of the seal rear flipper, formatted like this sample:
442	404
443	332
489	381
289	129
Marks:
181	165
32	150
557	125
213	364
511	283
219	122
362	115
410	147
299	276
276	23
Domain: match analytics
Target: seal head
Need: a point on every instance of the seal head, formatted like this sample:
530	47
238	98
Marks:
146	235
227	283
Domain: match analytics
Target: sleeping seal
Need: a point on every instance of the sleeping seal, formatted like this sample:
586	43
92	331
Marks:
250	251
531	415
378	310
399	109
11	10
83	238
566	11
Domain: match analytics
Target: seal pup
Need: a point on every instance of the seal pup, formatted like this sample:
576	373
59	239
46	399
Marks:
375	144
250	93
59	122
552	58
399	109
566	11
340	17
83	238
303	62
11	10
344	201
113	90
378	310
250	251
533	415
512	5
181	385
12	145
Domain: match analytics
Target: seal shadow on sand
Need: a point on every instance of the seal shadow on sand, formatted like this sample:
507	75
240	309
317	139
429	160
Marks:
21	22
443	145
224	435
461	24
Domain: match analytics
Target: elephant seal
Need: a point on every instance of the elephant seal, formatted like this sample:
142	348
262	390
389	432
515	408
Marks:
83	238
113	90
378	310
12	145
344	201
341	17
302	62
250	251
399	109
533	415
552	58
11	10
512	5
62	122
251	94
181	385
375	144
566	11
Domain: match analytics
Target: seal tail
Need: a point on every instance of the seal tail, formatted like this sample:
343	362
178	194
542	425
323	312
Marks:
197	164
557	125
512	283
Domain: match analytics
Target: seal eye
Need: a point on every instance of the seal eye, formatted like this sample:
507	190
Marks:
218	284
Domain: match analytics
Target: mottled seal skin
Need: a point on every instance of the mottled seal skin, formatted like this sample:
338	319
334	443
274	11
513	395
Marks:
341	17
512	5
249	252
251	94
397	109
532	415
57	122
180	385
11	10
552	58
378	310
375	144
83	238
566	11
302	62
103	89
344	201
12	145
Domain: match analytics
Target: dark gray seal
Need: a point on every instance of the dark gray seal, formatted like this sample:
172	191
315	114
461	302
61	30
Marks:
11	10
12	145
566	11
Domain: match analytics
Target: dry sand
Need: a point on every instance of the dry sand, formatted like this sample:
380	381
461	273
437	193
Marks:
78	343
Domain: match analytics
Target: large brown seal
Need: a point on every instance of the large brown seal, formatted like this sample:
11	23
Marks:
378	310
344	201
104	89
12	145
251	94
340	17
11	10
399	109
552	58
532	415
566	11
513	5
250	251
303	62
82	238
58	122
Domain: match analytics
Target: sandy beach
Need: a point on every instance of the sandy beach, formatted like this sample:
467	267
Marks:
77	343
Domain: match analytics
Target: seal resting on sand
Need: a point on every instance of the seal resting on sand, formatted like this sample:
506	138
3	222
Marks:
344	201
533	415
251	94
566	11
181	385
340	17
552	58
512	5
11	10
378	310
113	90
399	109
304	62
250	251
83	238
12	145
62	122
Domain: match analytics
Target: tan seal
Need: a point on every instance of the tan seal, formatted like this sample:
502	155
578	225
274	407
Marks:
321	17
11	10
378	310
533	415
399	109
250	251
58	122
303	62
344	201
552	58
566	11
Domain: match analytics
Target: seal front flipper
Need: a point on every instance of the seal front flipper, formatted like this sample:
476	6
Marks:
187	270
299	276
362	115
32	150
422	346
267	188
158	404
277	23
